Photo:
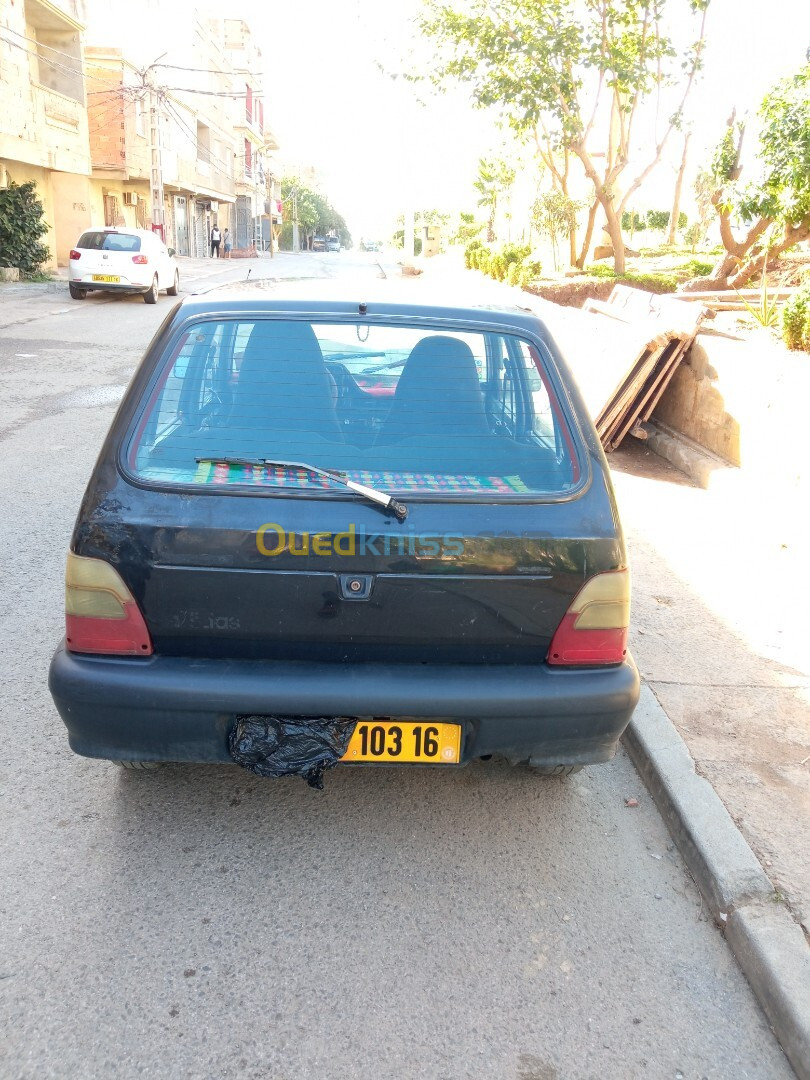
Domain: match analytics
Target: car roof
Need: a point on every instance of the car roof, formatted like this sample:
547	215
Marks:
247	301
114	229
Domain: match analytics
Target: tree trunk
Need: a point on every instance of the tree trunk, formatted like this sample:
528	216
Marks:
586	240
793	234
614	230
605	197
676	199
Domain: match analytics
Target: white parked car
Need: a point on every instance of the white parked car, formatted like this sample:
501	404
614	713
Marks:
123	260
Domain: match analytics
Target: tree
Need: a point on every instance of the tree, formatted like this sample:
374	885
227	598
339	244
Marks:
468	229
313	212
552	64
675	215
22	228
657	220
495	178
552	215
775	207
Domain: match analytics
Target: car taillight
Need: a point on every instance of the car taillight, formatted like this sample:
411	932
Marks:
74	254
141	260
594	629
101	614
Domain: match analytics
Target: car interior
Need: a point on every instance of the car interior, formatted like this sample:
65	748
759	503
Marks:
423	409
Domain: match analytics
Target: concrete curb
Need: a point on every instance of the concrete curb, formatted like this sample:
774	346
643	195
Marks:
698	463
770	948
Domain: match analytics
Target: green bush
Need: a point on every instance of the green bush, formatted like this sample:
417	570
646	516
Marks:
658	219
658	283
482	259
515	253
633	222
21	228
513	273
469	253
796	320
601	270
497	267
697	268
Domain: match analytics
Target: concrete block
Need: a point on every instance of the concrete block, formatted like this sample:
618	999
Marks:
9	273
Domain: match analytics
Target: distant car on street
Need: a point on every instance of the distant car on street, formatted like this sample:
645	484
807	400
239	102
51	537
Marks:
319	243
122	260
372	245
332	243
336	533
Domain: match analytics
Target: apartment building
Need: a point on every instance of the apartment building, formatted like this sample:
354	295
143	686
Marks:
87	92
43	121
185	77
254	209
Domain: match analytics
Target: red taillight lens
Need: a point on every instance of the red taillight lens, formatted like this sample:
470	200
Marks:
101	614
74	254
141	260
594	629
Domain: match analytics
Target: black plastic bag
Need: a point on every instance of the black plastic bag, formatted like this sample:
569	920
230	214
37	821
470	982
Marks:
290	745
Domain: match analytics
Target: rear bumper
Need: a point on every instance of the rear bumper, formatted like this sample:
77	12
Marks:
111	286
177	709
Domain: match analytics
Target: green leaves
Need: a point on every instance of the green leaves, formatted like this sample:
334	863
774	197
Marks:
21	228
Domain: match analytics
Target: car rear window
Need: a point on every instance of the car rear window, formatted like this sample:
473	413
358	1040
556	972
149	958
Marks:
109	241
245	403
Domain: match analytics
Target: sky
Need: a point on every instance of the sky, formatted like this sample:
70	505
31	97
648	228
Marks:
333	104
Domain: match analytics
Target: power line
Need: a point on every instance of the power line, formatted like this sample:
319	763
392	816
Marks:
206	71
214	93
77	67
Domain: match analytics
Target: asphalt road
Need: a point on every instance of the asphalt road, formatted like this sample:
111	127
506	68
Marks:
198	922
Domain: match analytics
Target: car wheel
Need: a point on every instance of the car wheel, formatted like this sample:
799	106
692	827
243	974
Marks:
151	297
138	766
175	289
554	770
77	294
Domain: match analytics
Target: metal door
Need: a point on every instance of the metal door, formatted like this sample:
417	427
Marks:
181	224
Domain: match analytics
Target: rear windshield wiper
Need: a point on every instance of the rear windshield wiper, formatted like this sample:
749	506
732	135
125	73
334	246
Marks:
379	498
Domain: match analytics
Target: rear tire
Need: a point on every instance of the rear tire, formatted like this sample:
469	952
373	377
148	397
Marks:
175	289
151	297
77	294
138	766
554	770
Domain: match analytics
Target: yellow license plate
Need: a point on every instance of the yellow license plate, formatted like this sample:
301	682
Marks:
105	277
406	741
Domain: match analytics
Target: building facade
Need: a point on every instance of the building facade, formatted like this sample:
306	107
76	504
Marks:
43	121
94	100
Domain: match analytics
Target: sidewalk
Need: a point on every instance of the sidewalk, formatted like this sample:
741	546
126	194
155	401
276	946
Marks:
719	632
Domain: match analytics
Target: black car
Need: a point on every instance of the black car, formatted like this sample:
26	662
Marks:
324	533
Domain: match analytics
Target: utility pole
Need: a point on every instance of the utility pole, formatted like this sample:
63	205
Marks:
296	239
407	254
155	158
158	215
272	212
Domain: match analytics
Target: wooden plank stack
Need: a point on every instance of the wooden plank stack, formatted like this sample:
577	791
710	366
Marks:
669	329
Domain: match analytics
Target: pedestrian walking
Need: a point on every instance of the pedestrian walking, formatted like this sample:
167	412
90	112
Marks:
227	243
215	242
